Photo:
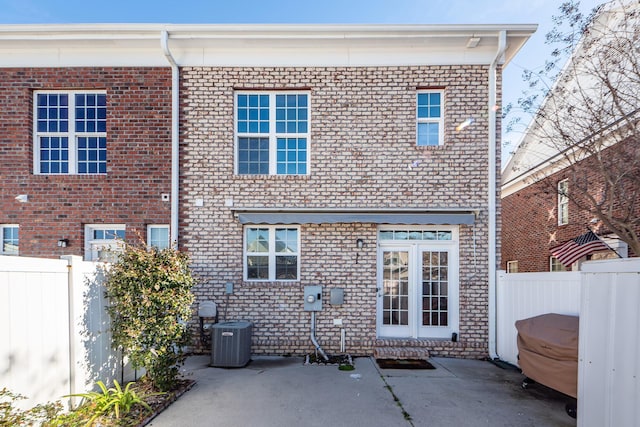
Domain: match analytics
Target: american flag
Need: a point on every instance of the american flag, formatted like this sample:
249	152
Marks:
573	250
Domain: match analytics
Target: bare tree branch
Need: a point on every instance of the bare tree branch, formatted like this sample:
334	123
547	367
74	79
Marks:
587	121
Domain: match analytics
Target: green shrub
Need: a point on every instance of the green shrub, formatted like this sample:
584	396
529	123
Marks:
149	293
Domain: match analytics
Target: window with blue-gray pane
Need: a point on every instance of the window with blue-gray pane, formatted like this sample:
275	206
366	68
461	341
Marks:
10	240
272	132
158	236
430	118
71	132
272	253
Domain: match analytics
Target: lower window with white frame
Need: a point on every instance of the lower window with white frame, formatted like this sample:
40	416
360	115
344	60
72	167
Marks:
272	253
158	236
555	265
10	241
103	242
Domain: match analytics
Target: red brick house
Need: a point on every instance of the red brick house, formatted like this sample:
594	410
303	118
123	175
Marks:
577	145
86	142
537	218
361	159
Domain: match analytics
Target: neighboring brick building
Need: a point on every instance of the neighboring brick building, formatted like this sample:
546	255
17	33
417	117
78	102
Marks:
100	167
355	158
531	226
577	147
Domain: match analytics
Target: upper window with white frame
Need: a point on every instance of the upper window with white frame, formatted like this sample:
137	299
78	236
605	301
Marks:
512	266
158	236
272	133
272	253
10	241
555	265
70	132
563	202
103	242
430	117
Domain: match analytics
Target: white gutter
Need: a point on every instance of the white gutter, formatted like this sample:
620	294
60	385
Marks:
175	137
502	45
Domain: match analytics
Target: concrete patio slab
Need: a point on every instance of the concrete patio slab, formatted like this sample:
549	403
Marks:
282	391
475	393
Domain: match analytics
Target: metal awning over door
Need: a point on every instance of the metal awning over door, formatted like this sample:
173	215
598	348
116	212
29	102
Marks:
331	216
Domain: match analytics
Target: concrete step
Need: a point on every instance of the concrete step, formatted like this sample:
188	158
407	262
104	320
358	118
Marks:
401	352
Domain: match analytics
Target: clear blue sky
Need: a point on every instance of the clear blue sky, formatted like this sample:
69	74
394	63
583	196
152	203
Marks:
532	56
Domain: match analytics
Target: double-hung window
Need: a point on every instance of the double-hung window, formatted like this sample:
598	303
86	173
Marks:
70	132
430	117
103	241
563	202
272	133
272	253
9	234
555	265
158	236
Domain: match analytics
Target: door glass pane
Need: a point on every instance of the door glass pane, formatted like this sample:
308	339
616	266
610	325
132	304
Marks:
395	298
434	288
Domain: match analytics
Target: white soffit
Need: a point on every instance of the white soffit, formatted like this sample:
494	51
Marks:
255	45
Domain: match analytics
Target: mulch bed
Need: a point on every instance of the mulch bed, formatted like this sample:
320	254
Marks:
404	364
140	416
162	402
340	359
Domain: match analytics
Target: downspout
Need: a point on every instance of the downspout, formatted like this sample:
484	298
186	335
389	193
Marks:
493	88
175	137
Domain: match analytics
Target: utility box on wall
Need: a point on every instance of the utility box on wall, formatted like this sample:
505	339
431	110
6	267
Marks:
337	296
231	344
312	298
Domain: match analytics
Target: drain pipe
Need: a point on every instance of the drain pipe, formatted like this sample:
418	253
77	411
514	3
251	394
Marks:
175	137
493	87
313	337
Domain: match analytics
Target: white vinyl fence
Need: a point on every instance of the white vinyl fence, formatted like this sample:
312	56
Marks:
54	329
606	297
524	295
609	348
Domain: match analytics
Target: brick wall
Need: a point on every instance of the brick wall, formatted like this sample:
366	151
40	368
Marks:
138	155
530	216
362	148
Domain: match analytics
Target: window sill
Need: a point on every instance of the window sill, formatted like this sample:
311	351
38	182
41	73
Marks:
67	175
431	147
271	284
274	177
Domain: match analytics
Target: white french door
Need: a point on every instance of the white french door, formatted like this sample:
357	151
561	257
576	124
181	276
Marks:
418	284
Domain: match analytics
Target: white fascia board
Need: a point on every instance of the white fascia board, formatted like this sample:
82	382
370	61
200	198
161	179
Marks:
85	57
531	156
253	45
329	57
529	178
545	166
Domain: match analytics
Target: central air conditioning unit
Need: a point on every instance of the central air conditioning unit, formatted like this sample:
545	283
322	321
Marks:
231	344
